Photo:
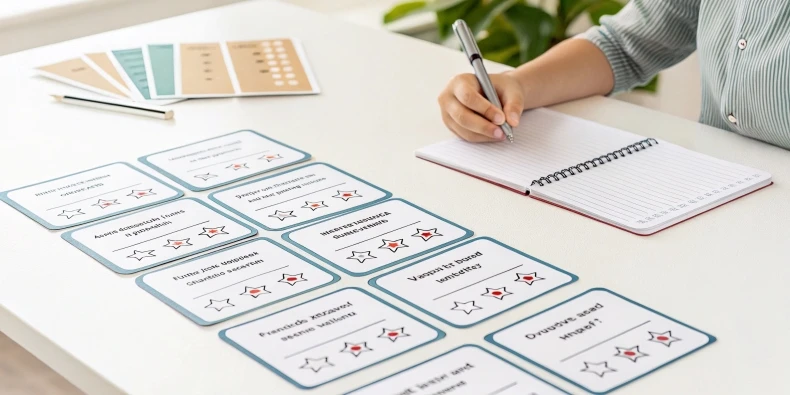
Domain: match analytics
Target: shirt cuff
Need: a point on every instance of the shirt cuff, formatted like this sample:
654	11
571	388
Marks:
618	59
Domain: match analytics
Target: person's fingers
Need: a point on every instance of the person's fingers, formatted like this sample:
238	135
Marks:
468	93
470	120
464	133
512	101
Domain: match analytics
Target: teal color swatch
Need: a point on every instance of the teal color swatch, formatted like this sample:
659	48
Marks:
161	57
131	60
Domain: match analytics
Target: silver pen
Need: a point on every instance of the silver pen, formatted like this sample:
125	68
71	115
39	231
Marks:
473	53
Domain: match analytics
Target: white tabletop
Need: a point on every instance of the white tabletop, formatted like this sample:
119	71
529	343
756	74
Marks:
724	272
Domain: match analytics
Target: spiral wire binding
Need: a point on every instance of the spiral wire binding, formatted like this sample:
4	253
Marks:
594	162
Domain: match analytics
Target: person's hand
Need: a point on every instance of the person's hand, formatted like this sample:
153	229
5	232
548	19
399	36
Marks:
468	114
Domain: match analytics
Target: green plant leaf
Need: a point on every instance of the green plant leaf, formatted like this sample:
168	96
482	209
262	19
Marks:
403	10
497	40
480	18
503	55
446	17
651	86
533	29
571	9
609	7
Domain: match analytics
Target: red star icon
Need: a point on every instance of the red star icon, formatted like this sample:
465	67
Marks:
271	157
176	244
105	203
528	278
211	232
664	338
393	245
140	193
426	234
345	195
238	166
314	205
356	348
292	279
393	334
498	293
632	353
255	291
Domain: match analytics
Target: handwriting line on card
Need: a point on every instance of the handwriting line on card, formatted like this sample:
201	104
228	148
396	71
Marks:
375	237
333	339
602	342
226	161
93	197
505	388
154	238
301	196
477	282
249	278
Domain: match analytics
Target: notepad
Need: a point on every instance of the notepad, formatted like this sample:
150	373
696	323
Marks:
642	185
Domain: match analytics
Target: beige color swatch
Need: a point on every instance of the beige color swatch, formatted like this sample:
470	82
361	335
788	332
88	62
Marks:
103	61
203	70
79	71
271	65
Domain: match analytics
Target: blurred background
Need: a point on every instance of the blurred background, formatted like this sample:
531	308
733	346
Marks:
509	31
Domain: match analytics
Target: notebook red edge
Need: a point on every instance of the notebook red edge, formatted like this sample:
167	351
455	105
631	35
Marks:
585	215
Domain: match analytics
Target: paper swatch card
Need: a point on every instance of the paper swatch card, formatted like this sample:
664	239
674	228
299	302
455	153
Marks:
376	237
79	73
158	235
89	195
472	282
222	160
234	68
467	370
223	284
298	196
330	337
128	65
600	340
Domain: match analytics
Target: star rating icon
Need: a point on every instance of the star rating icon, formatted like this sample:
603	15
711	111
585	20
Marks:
632	353
316	364
292	279
314	205
105	203
271	157
140	255
361	256
282	215
356	348
71	213
498	293
237	166
466	307
598	368
141	193
255	291
393	334
392	245
219	304
206	176
426	234
211	232
528	278
345	195
664	338
176	244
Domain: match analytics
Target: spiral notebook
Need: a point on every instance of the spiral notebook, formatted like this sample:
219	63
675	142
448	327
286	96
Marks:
642	185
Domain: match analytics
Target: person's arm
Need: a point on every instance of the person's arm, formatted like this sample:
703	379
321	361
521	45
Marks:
627	50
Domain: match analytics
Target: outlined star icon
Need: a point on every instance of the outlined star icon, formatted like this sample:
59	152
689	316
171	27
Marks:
599	368
664	338
139	255
345	195
206	176
141	193
466	307
237	166
219	304
211	232
498	293
271	157
392	245
176	244
356	348
528	278
632	353
105	203
393	334
282	215
426	234
316	364
314	205
70	213
292	279
255	291
361	256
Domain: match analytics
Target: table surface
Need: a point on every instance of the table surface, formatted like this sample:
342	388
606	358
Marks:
376	107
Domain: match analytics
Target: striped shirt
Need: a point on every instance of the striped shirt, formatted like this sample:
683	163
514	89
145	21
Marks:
744	53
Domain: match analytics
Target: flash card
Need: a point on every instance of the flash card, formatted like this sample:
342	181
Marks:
376	237
89	195
226	283
467	370
600	340
222	160
472	281
158	235
330	337
298	196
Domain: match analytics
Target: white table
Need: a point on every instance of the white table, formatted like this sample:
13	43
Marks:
724	272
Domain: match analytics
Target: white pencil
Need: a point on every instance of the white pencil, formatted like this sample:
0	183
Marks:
118	106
